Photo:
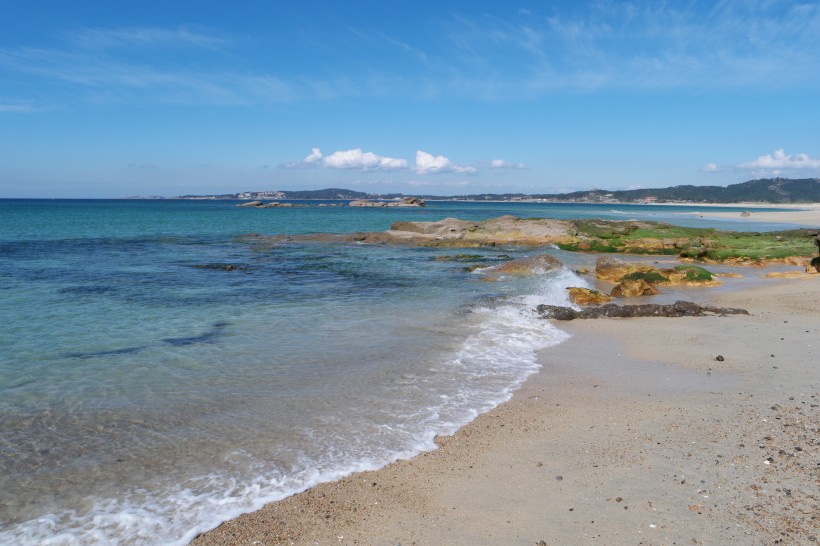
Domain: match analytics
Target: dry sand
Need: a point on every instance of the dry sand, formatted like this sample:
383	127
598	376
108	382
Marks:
632	433
806	215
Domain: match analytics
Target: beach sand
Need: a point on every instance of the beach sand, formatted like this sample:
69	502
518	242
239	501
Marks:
632	433
805	215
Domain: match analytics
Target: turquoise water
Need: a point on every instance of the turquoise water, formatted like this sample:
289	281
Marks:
161	371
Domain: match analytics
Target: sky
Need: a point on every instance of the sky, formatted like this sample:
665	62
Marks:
113	99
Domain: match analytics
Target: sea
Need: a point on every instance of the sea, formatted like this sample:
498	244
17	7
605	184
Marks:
164	366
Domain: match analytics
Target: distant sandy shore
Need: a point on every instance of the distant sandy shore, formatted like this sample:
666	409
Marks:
806	215
634	432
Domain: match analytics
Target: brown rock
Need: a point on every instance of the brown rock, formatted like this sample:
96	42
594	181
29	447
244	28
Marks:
631	288
612	269
366	203
531	265
411	202
586	296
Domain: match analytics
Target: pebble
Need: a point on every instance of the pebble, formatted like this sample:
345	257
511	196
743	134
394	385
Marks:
719	358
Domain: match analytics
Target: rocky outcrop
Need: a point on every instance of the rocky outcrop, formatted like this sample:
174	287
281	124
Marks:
269	205
587	296
404	202
631	288
611	310
814	265
501	230
596	236
367	203
411	202
642	280
690	275
532	265
612	269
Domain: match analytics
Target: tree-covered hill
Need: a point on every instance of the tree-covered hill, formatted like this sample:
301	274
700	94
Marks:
764	190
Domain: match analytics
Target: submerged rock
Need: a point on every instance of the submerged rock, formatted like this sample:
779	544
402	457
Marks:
612	310
250	204
404	202
220	266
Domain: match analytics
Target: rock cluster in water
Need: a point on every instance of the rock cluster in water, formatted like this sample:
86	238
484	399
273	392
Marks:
404	202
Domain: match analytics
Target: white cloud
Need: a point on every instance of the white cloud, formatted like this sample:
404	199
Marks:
315	155
354	159
501	164
430	164
365	161
780	161
710	168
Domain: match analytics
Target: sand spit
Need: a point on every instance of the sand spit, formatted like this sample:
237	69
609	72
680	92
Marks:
633	432
807	214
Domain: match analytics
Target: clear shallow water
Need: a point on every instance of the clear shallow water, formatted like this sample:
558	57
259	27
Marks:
148	393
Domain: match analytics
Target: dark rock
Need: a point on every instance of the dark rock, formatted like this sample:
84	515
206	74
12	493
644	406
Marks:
719	358
611	310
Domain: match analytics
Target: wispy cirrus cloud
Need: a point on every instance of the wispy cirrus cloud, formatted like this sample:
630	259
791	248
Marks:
18	107
91	77
147	37
503	54
639	45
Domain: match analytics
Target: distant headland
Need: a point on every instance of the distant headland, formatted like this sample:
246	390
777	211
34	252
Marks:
764	190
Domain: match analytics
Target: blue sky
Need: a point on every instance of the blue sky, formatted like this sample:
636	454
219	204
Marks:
108	99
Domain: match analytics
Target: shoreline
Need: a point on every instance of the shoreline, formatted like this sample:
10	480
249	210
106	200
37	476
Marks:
654	420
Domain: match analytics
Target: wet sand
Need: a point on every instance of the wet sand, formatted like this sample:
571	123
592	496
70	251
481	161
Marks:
631	433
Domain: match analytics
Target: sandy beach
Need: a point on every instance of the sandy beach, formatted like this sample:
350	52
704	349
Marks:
634	432
805	215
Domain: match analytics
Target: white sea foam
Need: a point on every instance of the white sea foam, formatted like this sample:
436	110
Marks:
493	361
